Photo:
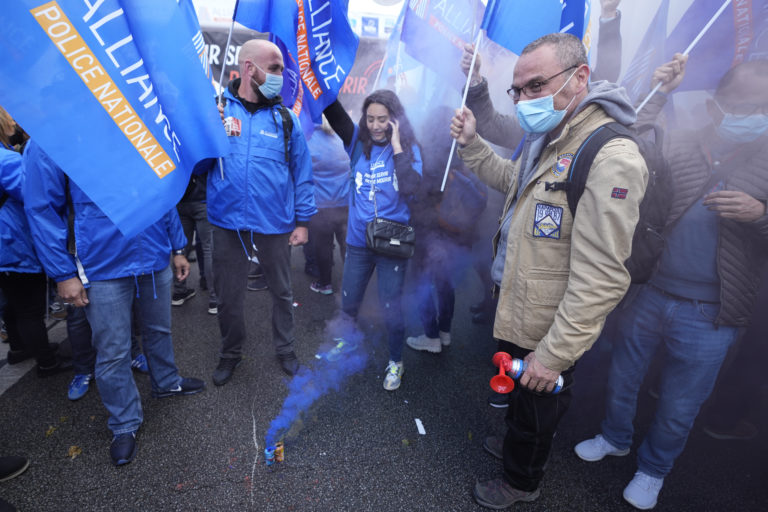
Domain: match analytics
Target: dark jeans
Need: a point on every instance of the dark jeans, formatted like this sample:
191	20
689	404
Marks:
532	420
80	339
195	215
230	265
439	262
24	315
358	268
322	228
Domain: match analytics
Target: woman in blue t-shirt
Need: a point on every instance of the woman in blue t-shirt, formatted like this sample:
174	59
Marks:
386	170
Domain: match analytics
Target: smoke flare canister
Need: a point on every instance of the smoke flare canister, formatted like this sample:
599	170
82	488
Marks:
269	455
279	452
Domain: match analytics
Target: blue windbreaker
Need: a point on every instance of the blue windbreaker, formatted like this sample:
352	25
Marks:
17	253
102	249
260	191
330	169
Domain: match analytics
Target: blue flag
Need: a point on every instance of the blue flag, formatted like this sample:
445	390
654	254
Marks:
293	89
731	39
115	92
434	32
515	23
316	34
575	19
650	55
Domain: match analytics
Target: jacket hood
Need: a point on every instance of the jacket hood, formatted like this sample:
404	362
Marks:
613	99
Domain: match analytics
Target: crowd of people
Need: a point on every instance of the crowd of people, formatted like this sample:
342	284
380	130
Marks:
558	278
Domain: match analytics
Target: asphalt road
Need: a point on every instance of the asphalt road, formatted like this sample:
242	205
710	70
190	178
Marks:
356	449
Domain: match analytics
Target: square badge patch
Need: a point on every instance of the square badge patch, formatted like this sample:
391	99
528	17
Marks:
547	220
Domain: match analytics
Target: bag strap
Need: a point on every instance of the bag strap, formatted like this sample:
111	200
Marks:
583	160
285	114
71	245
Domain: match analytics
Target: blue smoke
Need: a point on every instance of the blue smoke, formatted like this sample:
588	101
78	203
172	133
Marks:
333	365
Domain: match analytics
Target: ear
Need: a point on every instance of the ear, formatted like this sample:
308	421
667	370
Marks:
582	75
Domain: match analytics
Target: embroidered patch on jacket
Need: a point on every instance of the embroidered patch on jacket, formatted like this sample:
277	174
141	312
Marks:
619	193
232	126
547	220
562	164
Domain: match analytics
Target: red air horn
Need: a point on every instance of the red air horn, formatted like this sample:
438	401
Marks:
502	383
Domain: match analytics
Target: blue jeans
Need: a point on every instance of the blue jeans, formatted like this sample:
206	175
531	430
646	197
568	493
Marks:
694	351
79	334
358	268
109	313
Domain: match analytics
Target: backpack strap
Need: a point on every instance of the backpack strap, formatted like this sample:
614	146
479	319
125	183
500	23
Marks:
285	114
582	162
71	245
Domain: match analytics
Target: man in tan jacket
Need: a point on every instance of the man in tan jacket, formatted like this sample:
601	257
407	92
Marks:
558	276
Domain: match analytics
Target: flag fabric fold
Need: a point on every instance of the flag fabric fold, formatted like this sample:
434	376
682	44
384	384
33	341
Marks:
515	23
650	55
115	92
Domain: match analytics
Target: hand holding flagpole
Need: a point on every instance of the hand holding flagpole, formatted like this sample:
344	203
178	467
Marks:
221	77
463	102
688	50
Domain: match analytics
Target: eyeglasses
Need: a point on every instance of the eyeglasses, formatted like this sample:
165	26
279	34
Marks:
743	109
534	86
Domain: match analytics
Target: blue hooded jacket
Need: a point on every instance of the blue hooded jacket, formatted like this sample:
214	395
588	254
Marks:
102	249
17	253
260	191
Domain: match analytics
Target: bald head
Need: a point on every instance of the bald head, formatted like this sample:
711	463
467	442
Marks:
257	58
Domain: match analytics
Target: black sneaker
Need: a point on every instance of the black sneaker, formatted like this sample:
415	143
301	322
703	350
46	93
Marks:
123	448
226	368
213	308
180	298
258	284
187	386
60	366
498	400
289	362
12	466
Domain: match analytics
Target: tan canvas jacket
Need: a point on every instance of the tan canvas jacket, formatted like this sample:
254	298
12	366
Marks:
563	276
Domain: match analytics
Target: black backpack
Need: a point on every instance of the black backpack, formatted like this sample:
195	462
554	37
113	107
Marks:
648	239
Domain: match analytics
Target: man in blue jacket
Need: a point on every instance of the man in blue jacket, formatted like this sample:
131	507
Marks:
263	197
105	272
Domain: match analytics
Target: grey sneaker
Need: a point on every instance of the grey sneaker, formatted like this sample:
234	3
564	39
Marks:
394	375
597	448
643	491
498	494
425	343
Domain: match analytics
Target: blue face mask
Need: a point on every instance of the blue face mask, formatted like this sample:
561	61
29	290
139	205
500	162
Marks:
539	115
742	129
272	85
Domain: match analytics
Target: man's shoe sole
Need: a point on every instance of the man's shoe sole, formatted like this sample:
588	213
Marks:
533	497
166	394
180	302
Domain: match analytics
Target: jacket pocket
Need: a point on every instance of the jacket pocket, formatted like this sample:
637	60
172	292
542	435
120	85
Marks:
542	297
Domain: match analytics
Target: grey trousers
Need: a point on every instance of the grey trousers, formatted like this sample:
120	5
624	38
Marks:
230	266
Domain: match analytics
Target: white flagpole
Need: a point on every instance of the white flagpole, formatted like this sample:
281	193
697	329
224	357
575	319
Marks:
689	49
221	77
463	102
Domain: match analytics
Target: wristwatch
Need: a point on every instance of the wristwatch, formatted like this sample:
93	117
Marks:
178	252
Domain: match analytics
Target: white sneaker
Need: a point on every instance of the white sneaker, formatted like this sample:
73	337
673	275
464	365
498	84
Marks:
643	491
445	338
597	448
424	343
394	375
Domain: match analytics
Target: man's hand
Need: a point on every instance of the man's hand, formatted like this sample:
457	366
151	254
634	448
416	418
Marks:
735	205
608	8
181	265
300	236
538	377
466	61
72	291
463	126
220	106
670	74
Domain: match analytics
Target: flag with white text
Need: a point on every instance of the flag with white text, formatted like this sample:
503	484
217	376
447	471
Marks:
116	93
317	34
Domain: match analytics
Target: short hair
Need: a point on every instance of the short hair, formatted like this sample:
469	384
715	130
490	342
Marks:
569	49
758	67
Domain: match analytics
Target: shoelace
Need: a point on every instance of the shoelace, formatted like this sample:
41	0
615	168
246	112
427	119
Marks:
392	369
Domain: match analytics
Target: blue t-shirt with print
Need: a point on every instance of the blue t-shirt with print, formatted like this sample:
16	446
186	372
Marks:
378	171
